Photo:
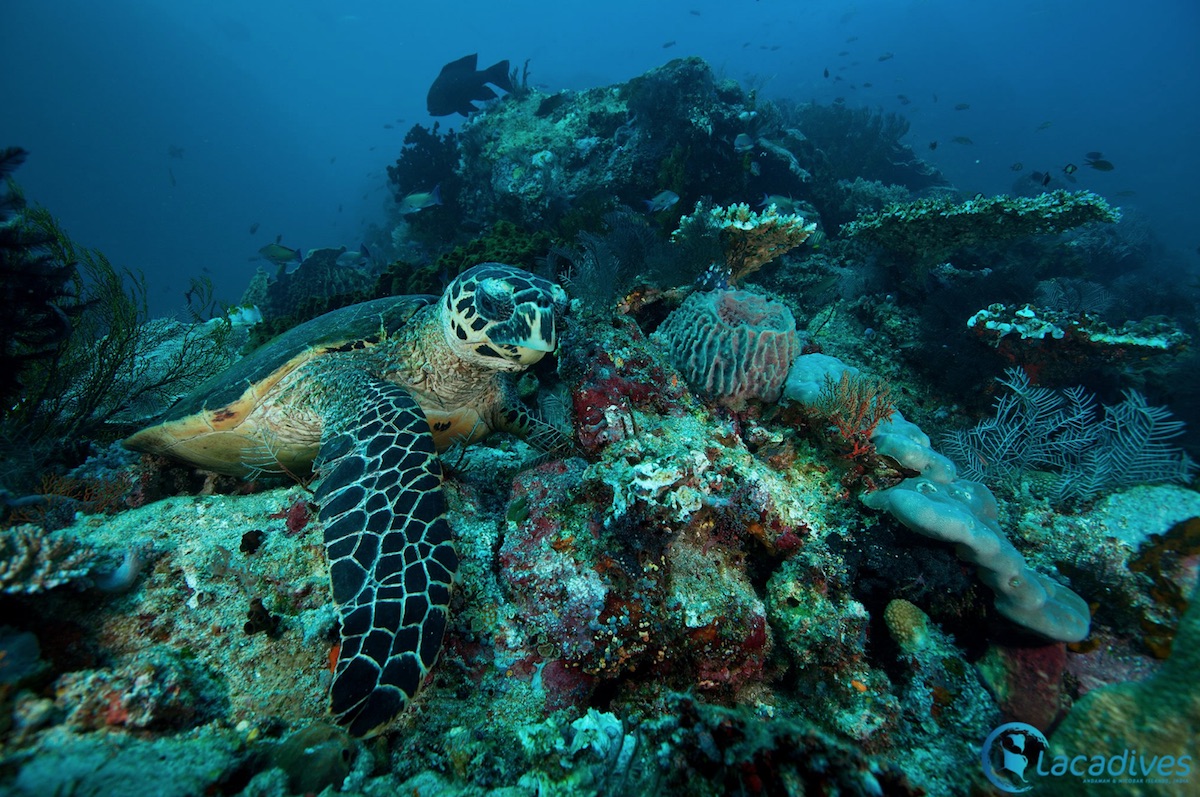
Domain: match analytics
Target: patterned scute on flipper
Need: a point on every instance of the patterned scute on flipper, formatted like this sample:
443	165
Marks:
391	558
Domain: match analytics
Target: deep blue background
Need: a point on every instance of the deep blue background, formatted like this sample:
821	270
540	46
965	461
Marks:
280	106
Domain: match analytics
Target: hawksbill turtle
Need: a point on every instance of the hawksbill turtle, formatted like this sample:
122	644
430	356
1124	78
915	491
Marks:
365	397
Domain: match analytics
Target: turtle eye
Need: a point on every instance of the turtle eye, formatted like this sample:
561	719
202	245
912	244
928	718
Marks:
493	300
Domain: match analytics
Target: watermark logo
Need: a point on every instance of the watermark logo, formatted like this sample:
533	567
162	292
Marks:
1009	751
1016	756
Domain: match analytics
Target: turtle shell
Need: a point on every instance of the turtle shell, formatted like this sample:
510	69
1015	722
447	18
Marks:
212	426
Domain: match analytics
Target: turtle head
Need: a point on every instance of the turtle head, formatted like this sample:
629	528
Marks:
501	316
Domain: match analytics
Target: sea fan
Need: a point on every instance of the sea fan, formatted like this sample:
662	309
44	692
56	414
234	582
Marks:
1035	428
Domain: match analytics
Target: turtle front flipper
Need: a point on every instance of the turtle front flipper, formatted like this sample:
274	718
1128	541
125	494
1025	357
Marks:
391	559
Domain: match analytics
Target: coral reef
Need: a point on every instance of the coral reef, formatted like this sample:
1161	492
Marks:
711	585
849	143
945	507
1059	346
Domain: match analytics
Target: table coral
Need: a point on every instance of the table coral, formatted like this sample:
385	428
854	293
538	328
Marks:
750	240
929	229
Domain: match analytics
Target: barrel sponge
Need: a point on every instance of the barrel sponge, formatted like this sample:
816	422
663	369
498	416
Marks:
733	345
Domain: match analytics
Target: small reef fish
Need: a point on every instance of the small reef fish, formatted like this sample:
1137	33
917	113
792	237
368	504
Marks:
419	200
933	145
254	228
886	57
1040	177
1070	169
826	71
460	83
1093	155
961	140
743	143
1099	164
669	44
1018	166
903	99
245	315
175	152
661	201
1043	126
784	204
279	254
962	106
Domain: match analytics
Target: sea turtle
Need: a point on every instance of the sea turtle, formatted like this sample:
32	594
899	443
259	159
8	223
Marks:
364	397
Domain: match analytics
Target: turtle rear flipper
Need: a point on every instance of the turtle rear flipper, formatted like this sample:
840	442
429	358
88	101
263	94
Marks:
391	559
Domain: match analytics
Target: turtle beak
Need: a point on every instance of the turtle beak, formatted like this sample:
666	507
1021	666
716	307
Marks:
532	326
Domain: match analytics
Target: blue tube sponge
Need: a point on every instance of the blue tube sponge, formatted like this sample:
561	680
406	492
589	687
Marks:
964	513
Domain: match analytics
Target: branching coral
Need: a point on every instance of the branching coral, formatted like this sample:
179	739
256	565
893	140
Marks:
930	229
749	240
34	560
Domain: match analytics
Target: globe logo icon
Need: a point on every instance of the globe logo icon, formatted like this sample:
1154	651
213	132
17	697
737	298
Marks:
1008	752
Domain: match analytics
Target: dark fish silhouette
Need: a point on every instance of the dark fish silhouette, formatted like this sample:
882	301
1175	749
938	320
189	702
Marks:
669	44
254	228
174	151
933	145
1099	164
1070	169
826	72
460	83
1094	156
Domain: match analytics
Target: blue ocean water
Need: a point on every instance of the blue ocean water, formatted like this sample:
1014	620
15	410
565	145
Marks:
285	114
